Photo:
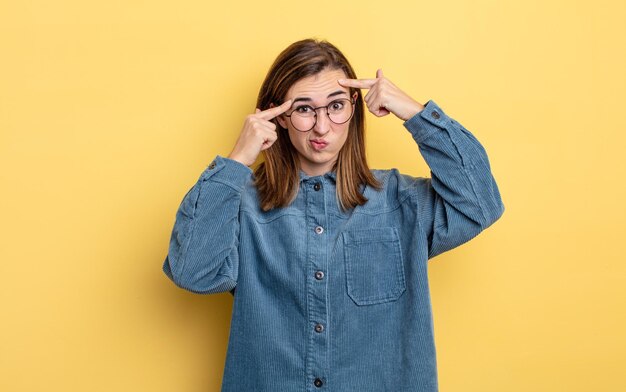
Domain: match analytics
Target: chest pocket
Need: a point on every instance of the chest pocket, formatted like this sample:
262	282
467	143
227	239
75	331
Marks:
374	267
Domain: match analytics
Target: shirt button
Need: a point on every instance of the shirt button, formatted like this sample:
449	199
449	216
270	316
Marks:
435	114
319	328
318	383
319	275
212	166
317	186
319	229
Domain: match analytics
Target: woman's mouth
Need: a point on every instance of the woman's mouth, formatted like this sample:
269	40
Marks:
318	144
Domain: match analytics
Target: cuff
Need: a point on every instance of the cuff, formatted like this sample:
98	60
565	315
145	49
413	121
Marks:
429	120
227	171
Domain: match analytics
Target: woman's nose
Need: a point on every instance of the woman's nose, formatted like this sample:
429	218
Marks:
322	126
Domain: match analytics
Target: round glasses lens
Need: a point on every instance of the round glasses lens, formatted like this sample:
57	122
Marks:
303	118
340	111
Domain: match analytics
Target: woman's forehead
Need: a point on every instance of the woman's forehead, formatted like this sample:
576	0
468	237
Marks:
318	86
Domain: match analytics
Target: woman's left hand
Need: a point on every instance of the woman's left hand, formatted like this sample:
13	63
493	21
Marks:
385	97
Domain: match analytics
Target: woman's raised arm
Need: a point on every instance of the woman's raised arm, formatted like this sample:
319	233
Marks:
203	255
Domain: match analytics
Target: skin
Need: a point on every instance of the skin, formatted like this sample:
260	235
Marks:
318	90
259	133
384	97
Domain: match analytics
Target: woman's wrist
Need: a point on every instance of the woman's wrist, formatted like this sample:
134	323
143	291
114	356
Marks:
415	108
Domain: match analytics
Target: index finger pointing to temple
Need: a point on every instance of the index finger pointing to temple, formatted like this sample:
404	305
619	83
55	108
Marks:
358	83
275	111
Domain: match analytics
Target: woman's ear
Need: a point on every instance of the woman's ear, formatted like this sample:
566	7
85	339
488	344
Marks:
282	121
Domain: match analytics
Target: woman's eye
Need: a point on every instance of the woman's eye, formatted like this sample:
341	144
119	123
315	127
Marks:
335	106
303	109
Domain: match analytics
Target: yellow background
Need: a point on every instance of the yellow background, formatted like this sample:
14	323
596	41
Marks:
109	111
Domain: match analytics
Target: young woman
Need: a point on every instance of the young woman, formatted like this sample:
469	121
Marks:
327	259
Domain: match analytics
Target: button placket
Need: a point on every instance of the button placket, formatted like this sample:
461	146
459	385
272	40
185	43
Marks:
317	306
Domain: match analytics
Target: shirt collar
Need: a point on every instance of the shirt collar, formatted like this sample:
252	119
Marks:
332	175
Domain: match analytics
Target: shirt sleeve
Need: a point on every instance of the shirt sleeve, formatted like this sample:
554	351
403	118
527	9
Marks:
461	198
203	251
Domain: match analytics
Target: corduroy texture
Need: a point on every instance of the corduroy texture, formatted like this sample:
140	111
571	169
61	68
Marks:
365	324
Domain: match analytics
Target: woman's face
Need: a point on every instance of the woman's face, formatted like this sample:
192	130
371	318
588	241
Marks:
318	148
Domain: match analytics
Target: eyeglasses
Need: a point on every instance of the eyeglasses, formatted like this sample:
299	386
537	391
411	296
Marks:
304	117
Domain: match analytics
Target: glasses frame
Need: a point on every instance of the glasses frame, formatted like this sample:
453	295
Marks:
351	100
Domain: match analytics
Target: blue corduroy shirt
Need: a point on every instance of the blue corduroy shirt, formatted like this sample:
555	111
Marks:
332	300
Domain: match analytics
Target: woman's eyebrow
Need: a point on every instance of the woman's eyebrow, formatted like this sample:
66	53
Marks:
308	99
338	92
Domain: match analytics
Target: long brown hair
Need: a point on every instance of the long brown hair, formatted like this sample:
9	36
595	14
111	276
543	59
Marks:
277	178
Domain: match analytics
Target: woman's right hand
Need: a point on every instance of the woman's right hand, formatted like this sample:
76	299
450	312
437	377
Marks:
258	134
